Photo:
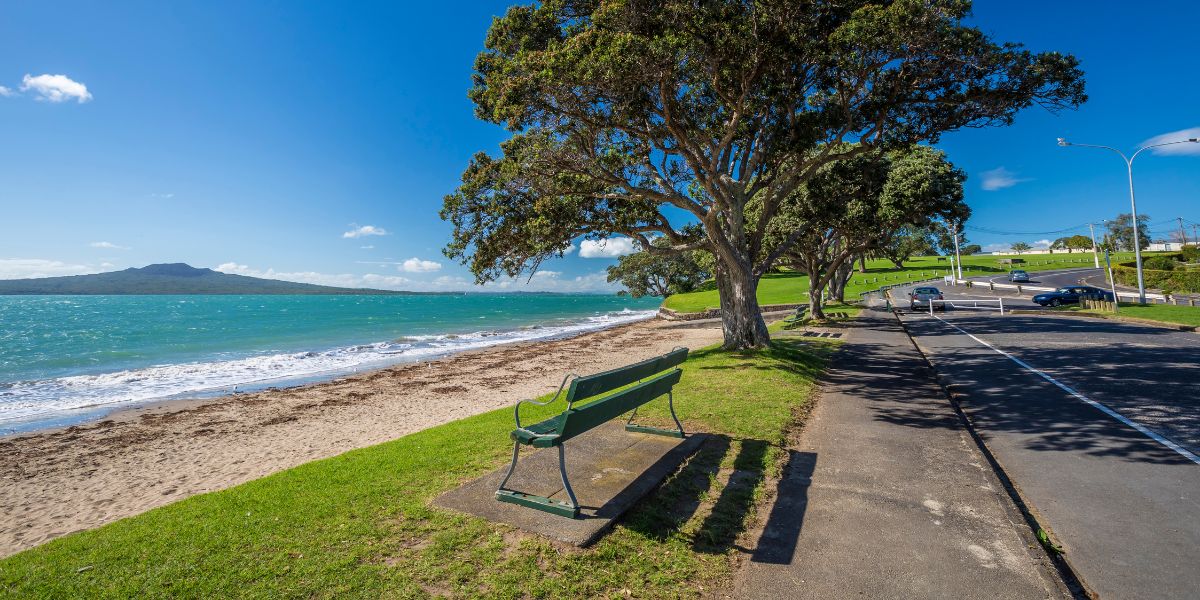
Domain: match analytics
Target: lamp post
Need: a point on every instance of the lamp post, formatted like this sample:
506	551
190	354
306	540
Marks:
1137	244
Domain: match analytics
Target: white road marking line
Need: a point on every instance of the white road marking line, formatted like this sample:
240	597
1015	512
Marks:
1106	410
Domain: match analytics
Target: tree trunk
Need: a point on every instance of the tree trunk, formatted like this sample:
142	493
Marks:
815	302
837	284
862	260
741	318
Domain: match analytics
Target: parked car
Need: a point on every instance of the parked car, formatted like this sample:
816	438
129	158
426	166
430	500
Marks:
1071	295
923	295
1018	276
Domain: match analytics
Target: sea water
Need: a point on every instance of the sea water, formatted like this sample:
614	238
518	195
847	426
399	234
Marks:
64	359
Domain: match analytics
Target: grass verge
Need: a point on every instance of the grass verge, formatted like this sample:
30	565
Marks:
360	524
1163	313
789	288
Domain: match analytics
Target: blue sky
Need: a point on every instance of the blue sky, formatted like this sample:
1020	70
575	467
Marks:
313	141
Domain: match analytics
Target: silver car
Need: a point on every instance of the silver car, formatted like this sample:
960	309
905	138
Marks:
922	296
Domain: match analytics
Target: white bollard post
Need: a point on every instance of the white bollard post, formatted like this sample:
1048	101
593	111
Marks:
1001	305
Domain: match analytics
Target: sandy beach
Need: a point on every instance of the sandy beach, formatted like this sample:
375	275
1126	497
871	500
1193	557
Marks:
61	481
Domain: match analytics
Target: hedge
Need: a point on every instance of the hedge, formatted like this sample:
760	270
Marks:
1179	280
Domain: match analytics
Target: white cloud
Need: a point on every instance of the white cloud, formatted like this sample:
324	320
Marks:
998	179
7	92
22	268
416	265
609	248
1177	149
55	88
570	250
165	196
547	274
108	246
367	247
364	231
1042	244
997	247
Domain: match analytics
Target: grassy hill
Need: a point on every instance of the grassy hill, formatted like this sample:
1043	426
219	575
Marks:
790	288
174	278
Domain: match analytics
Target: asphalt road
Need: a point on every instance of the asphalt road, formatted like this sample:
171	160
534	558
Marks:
1125	505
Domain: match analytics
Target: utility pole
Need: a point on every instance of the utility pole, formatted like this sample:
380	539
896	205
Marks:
1182	234
1095	255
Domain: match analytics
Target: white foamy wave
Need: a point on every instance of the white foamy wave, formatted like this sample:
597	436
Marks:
26	402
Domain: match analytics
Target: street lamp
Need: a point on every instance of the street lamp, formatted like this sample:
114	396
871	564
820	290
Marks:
1137	245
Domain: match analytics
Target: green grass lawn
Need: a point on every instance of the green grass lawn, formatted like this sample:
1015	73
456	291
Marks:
792	288
1166	313
360	524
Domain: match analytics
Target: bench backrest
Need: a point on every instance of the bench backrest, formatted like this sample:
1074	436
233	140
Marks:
602	383
590	416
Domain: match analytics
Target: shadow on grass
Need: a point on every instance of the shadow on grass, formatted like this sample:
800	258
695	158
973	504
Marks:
684	494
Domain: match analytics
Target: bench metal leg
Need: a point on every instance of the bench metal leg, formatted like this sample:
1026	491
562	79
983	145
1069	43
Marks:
562	470
542	503
511	467
677	432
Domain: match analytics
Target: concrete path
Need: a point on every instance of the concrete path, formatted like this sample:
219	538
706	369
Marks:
887	496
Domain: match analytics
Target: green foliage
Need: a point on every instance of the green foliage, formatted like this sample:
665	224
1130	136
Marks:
892	202
620	109
1175	276
651	273
1074	242
971	249
1020	247
360	525
1160	263
1191	254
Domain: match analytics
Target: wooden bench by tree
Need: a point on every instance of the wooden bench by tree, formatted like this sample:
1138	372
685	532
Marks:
653	380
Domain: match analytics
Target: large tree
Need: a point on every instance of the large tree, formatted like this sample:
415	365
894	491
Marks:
626	114
861	203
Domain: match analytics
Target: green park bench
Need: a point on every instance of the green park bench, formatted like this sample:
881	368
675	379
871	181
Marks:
652	380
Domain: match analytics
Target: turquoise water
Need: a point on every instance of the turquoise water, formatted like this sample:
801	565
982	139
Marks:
64	356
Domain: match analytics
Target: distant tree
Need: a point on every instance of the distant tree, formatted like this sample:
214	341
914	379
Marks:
659	274
970	249
1021	247
906	243
1120	232
943	237
1074	242
623	115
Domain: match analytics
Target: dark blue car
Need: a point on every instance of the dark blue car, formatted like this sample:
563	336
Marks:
1071	295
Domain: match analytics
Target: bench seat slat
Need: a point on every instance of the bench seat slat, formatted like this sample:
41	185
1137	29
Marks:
602	383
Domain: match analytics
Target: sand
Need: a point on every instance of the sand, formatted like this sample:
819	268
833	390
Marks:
60	481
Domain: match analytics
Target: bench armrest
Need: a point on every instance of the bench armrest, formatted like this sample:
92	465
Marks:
561	386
